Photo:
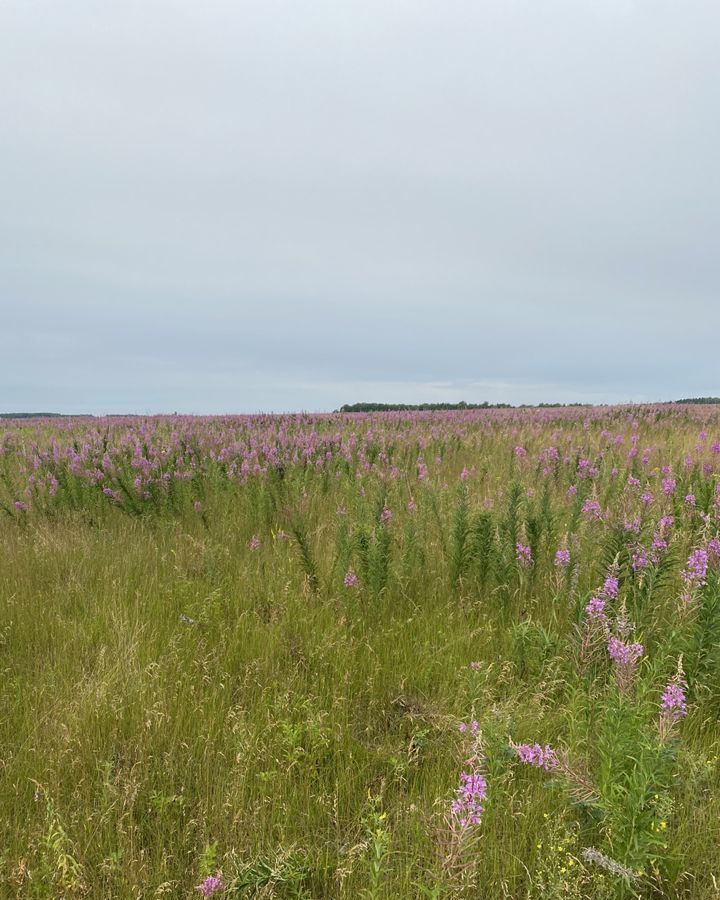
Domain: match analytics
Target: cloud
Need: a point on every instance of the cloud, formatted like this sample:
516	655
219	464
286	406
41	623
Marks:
266	205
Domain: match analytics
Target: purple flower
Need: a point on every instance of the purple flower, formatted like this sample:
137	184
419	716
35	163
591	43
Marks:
595	609
211	885
611	587
350	579
695	571
385	516
624	654
697	565
523	555
592	509
714	549
473	727
535	755
467	807
254	543
668	486
562	558
673	704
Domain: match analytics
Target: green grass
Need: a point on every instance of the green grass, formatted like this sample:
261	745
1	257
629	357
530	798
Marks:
174	704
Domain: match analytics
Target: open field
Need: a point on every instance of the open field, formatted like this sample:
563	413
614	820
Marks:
255	649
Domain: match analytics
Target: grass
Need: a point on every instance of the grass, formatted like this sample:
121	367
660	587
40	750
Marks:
175	705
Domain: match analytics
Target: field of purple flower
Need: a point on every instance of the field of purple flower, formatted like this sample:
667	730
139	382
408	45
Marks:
394	655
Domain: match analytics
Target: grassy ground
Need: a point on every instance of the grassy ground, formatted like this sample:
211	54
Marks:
190	688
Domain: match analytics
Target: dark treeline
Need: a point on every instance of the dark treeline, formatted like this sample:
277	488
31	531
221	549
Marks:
420	407
413	407
552	405
30	415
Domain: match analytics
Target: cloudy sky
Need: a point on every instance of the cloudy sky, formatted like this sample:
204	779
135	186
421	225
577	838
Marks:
229	206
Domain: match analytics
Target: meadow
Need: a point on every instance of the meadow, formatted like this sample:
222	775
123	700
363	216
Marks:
392	655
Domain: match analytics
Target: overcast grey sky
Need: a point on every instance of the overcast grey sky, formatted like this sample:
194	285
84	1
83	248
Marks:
232	206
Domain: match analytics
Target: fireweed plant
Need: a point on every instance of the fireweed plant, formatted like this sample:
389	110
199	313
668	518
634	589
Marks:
236	650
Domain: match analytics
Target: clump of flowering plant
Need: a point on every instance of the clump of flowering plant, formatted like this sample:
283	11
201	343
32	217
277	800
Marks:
537	756
523	554
595	607
694	574
625	655
714	551
592	510
350	579
595	628
467	807
673	706
462	822
562	558
210	886
557	762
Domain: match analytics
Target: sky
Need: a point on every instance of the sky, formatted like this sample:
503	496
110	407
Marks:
280	205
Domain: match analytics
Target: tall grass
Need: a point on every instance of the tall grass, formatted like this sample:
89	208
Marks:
193	688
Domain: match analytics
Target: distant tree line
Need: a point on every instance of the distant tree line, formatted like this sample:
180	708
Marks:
28	415
553	405
419	407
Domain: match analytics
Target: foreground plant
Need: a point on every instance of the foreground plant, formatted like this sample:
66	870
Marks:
377	837
634	765
211	886
460	833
